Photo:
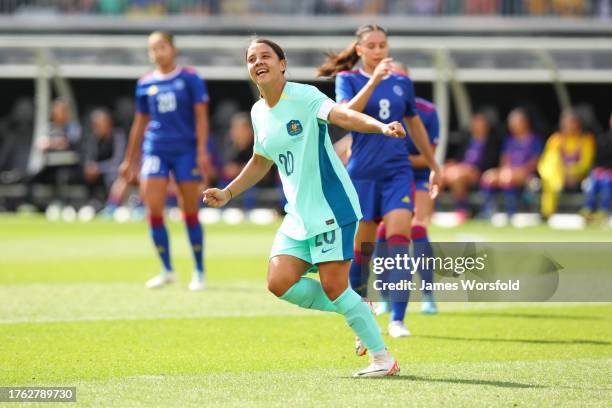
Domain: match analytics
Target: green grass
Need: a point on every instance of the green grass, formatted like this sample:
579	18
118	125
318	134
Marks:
73	312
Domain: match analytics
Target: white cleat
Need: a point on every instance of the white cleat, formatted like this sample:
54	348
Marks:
198	282
161	280
398	329
381	365
382	308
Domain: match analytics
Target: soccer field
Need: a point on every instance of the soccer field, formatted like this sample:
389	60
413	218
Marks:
74	312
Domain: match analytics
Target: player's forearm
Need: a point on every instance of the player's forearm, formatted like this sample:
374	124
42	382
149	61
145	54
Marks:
257	167
202	129
418	161
355	121
135	139
359	101
421	141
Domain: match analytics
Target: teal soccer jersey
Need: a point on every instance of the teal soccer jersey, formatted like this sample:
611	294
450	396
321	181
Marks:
293	134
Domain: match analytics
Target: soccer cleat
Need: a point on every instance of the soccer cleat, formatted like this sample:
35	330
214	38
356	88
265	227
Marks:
197	282
382	308
398	329
381	365
360	348
428	305
161	280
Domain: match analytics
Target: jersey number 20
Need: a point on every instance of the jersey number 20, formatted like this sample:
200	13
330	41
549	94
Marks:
166	102
286	160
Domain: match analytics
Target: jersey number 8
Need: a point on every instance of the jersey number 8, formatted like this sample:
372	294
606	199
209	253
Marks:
166	102
385	109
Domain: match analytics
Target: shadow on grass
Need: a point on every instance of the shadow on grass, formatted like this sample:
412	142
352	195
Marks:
524	316
502	384
527	341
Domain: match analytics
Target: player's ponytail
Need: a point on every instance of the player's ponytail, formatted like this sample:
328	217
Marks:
347	58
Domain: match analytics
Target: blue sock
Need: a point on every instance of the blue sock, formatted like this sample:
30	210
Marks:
488	194
358	273
511	200
399	245
606	193
422	246
160	239
196	238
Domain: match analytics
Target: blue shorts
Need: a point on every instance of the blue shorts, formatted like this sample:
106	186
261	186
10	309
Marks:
183	166
379	197
421	179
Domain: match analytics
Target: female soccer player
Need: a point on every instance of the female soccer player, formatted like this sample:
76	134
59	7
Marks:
170	131
290	123
379	167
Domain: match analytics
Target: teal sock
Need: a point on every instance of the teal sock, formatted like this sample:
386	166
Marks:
360	319
309	294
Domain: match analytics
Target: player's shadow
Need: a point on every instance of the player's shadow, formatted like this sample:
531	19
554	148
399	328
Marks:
502	384
524	316
527	341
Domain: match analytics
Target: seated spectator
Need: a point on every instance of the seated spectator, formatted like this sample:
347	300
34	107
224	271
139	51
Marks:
519	159
241	135
568	156
103	151
60	148
16	141
599	182
476	158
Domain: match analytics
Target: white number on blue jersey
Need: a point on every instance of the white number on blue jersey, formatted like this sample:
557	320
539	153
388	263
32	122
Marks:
150	165
385	109
166	102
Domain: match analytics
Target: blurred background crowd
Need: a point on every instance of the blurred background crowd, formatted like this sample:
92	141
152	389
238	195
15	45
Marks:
568	8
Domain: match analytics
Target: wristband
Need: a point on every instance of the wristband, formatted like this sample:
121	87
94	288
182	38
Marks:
230	191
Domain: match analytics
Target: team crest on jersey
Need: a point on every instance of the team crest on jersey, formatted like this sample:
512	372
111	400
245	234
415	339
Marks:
294	127
179	84
398	90
152	90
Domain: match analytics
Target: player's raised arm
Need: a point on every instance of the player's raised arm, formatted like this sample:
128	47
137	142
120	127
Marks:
362	123
257	167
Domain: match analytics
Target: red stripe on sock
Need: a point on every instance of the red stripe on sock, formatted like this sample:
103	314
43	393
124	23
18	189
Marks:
191	219
396	240
418	231
381	232
156	220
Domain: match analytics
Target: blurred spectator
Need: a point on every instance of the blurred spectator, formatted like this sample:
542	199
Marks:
16	141
477	157
512	7
241	134
60	148
599	183
568	156
103	151
569	8
519	159
481	6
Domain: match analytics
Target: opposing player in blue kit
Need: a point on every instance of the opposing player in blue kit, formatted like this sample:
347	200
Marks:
290	123
423	202
379	167
170	132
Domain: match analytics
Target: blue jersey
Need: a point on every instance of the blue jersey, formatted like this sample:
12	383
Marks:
429	116
378	156
169	99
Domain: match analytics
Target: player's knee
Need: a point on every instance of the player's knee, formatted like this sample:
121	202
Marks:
277	287
334	289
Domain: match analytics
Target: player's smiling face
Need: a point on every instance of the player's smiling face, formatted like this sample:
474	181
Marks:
264	65
373	48
161	52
